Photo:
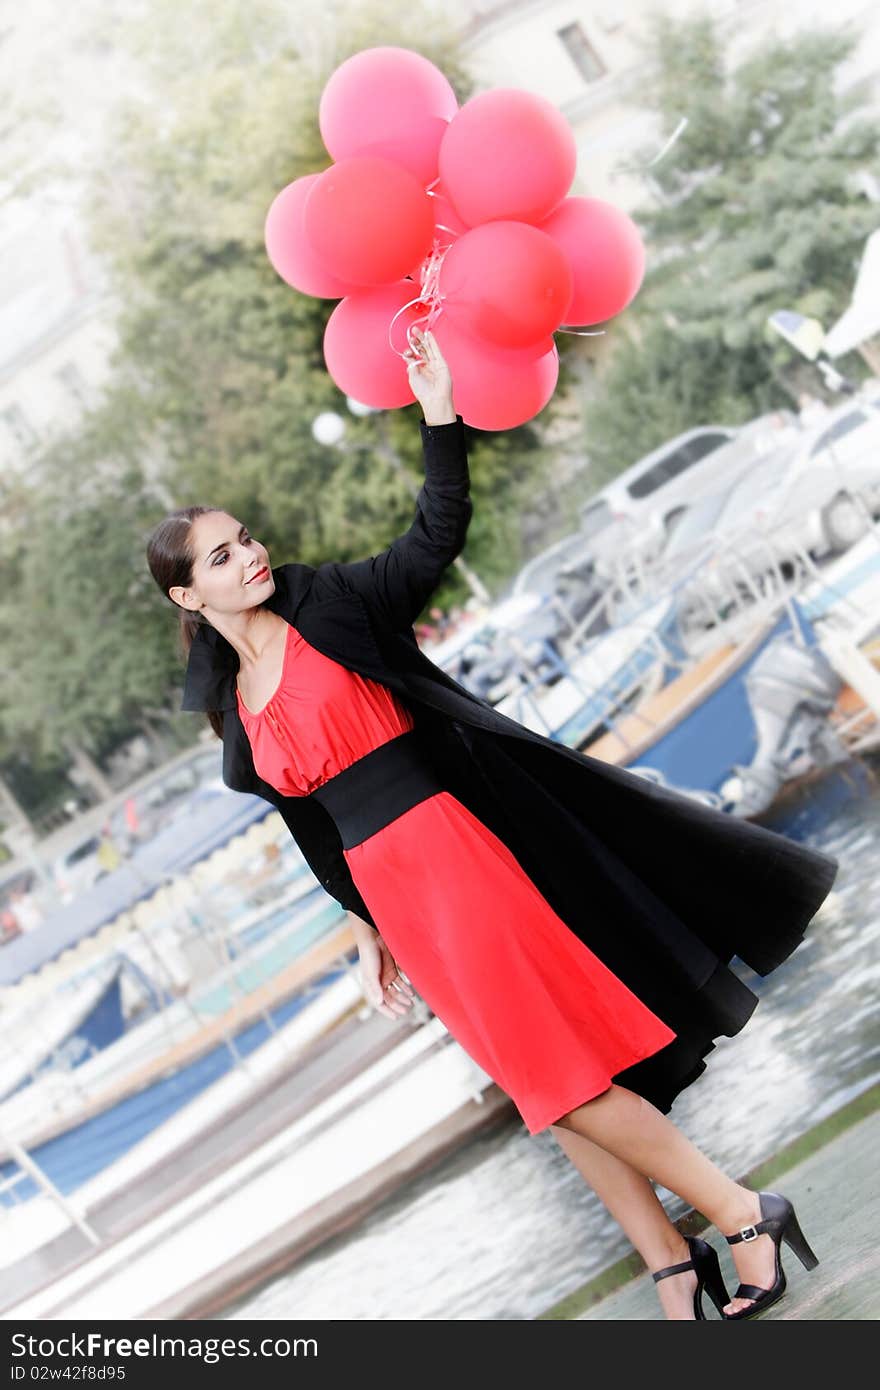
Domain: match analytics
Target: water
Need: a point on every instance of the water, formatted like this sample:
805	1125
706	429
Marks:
506	1226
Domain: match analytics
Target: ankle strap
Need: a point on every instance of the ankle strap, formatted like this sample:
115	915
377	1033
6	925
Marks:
749	1232
673	1269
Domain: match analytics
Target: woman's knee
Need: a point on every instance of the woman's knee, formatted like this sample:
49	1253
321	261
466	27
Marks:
570	1119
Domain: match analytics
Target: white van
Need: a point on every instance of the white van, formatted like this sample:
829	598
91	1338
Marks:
647	498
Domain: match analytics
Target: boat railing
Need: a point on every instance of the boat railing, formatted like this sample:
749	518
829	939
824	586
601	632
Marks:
611	691
719	596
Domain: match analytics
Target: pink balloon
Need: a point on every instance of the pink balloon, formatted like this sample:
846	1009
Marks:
507	154
606	254
389	102
356	347
495	388
368	220
506	282
289	249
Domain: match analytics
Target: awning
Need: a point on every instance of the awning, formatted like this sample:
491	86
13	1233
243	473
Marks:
862	318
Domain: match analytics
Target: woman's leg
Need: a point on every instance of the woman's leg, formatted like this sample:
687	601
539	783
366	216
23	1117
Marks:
634	1204
630	1128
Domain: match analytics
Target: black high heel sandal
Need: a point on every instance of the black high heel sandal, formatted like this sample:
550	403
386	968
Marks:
704	1263
779	1223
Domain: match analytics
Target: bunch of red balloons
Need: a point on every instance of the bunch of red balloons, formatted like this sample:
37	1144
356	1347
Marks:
454	218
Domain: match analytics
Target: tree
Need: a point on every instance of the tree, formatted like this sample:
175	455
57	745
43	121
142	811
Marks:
756	208
77	606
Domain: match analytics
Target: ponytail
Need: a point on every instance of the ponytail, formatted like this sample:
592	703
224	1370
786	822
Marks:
170	558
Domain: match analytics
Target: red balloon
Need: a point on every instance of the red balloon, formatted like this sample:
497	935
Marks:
290	250
368	221
506	282
356	345
507	154
389	102
495	388
606	254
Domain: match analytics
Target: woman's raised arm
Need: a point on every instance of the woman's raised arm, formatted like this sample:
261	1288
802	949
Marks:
398	582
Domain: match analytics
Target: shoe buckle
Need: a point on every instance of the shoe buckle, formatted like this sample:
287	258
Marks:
748	1233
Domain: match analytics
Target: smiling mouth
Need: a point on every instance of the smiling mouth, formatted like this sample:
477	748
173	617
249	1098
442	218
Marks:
260	574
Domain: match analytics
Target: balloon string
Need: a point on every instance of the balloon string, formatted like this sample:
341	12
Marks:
682	125
429	296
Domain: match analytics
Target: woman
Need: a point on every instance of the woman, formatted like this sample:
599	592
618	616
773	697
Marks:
570	924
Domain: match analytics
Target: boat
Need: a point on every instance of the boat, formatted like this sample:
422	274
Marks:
206	823
180	1049
252	1173
85	1016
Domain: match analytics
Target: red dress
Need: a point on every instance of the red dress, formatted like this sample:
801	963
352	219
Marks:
524	997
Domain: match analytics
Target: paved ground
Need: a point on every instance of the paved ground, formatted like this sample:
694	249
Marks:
834	1194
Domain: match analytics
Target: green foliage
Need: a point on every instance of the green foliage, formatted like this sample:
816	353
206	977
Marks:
755	208
77	606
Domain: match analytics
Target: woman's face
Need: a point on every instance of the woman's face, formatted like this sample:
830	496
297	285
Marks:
230	569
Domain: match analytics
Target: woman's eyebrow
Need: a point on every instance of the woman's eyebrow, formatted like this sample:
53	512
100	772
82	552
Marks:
241	529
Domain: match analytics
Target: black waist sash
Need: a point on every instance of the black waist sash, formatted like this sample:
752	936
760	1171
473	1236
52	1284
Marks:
379	787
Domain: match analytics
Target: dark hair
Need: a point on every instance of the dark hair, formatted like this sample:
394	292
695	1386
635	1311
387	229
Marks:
171	558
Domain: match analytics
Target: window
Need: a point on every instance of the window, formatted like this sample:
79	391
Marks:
82	851
704	444
19	426
839	430
651	479
581	52
675	462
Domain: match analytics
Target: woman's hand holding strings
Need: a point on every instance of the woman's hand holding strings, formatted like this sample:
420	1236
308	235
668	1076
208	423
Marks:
430	379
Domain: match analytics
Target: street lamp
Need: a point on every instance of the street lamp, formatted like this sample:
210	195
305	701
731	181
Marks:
329	429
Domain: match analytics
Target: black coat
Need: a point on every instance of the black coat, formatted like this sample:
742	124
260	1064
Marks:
663	889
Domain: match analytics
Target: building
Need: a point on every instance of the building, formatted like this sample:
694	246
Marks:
55	337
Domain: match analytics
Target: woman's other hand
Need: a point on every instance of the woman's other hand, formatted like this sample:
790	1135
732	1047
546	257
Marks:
384	986
430	379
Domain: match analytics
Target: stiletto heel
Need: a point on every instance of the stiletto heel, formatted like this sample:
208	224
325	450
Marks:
704	1263
779	1222
797	1243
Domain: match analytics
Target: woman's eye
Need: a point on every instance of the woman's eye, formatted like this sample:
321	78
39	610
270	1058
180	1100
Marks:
224	554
